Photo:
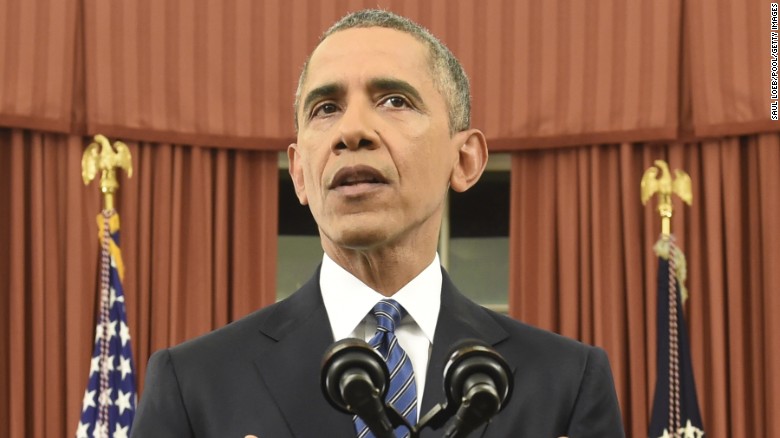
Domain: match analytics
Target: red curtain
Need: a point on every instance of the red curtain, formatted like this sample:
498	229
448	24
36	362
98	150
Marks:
198	229
551	73
582	264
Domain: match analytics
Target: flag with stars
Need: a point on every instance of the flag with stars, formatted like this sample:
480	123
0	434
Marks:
675	406
110	398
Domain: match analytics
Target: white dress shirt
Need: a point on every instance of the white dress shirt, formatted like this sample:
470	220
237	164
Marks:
349	301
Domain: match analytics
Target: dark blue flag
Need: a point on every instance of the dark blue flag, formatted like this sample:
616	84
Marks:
675	407
109	401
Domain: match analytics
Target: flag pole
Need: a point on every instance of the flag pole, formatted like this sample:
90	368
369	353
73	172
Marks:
109	401
675	408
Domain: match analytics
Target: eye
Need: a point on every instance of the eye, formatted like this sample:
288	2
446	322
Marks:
395	102
324	109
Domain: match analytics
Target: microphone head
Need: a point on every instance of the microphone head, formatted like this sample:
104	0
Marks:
347	358
471	357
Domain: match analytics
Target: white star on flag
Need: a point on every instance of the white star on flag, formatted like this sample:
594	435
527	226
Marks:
89	400
111	329
125	367
81	431
124	333
123	401
690	431
94	367
114	298
120	432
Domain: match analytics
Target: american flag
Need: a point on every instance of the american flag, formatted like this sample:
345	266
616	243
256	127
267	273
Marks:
110	398
675	406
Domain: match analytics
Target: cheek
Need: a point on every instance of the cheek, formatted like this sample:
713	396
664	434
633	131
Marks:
427	174
314	192
436	155
312	185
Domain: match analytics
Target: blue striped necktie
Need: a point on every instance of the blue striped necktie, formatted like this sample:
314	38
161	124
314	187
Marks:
402	393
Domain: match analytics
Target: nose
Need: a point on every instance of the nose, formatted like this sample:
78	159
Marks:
356	129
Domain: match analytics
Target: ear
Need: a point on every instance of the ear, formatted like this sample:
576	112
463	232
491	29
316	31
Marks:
296	172
472	159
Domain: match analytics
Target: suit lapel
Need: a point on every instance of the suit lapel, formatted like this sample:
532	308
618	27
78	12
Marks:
290	367
459	319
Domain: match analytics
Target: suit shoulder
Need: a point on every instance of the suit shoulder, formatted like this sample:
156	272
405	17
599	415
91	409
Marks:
259	328
542	343
255	331
227	337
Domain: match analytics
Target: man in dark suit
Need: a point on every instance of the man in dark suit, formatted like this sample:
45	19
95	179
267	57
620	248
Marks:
382	116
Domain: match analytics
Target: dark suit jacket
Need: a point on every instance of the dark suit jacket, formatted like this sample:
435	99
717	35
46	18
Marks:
261	375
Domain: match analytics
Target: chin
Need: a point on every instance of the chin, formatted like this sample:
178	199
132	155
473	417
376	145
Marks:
359	238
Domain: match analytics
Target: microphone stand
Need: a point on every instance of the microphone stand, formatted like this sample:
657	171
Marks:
434	419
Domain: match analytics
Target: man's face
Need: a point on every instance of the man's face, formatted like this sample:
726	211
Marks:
374	154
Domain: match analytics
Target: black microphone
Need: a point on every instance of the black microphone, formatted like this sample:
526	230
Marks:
354	380
477	382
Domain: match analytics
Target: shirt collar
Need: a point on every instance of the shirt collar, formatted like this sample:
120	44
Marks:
348	300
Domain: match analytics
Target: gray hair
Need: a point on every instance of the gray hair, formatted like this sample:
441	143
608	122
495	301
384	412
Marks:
447	72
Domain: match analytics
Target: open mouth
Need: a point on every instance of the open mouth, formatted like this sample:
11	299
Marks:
355	175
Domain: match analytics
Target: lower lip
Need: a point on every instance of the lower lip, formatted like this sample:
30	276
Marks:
360	189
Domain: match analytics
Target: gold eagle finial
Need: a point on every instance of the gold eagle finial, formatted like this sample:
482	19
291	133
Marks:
101	157
665	186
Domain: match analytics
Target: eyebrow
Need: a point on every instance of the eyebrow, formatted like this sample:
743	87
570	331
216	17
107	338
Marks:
389	84
327	90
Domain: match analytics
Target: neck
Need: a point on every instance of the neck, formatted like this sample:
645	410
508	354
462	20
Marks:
386	270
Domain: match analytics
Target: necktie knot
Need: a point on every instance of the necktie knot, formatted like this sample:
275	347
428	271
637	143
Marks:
388	314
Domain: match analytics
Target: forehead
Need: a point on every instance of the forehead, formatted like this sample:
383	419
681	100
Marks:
367	53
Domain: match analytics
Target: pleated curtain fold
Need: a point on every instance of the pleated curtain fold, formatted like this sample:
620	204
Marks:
199	246
582	265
